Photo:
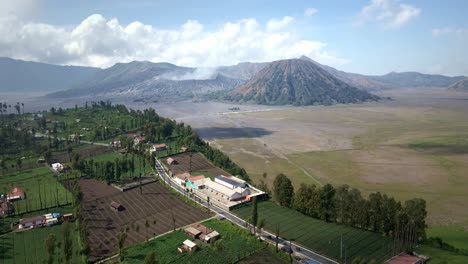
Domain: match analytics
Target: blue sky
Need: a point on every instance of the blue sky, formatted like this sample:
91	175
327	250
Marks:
369	37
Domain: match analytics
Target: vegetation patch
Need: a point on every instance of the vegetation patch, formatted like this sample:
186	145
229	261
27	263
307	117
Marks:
442	145
454	235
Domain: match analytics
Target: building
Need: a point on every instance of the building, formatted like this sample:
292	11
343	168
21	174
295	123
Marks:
116	206
57	167
192	181
16	194
158	147
6	207
211	237
115	143
404	258
139	140
67	217
183	149
230	182
171	161
187	246
224	192
192	232
182	177
32	222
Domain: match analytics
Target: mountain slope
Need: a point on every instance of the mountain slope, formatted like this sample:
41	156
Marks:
391	80
460	86
26	76
415	80
152	81
297	82
242	71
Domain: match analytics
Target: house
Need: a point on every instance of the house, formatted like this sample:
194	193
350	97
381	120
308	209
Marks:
122	151
187	246
230	182
50	131
115	143
192	232
192	181
183	149
171	161
32	222
6	207
116	206
139	140
211	237
158	147
57	167
67	217
224	192
180	178
404	258
16	194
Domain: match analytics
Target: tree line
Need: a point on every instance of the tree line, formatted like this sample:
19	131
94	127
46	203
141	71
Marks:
342	204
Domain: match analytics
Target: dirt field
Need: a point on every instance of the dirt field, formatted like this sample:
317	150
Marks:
199	163
365	145
156	206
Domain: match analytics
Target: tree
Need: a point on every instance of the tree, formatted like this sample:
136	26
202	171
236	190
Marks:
254	216
327	194
283	190
277	234
147	225
375	212
261	225
67	241
416	211
150	258
50	246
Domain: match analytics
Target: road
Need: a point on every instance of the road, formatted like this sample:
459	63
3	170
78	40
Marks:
240	222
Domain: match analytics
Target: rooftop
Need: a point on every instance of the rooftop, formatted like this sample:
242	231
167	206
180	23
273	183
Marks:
405	259
196	178
231	180
189	243
32	219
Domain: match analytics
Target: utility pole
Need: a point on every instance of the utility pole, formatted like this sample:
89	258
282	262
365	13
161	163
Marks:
341	247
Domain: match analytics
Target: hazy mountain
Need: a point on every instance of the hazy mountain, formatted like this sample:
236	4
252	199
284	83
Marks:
460	86
152	81
297	82
415	80
26	76
391	80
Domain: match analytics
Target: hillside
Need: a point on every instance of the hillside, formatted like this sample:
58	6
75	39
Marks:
242	71
27	76
297	82
149	81
415	80
460	86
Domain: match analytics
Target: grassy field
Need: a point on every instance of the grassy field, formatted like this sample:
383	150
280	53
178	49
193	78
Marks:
39	185
29	246
321	236
236	244
439	256
203	172
454	235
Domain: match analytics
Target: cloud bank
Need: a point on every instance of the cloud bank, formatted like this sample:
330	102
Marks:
392	13
101	42
460	32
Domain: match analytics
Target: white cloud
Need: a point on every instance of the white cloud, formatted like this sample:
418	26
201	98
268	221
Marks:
310	11
460	32
391	13
279	24
102	42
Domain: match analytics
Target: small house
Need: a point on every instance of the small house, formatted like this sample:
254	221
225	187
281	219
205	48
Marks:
187	246
116	206
192	232
183	149
6	207
159	147
195	182
404	258
171	161
16	194
182	177
211	237
139	140
57	167
32	222
67	217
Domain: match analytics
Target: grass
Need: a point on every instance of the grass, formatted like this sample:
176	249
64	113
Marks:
203	172
235	243
39	184
266	256
439	256
29	246
321	236
455	144
454	235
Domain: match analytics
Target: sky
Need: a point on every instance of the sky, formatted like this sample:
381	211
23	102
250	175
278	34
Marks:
362	36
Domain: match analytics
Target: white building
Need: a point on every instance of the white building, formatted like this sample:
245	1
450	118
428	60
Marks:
224	192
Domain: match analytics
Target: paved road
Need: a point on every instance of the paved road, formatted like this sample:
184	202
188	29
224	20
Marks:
240	222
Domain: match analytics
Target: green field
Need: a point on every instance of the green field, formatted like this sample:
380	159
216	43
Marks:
320	236
39	185
29	246
236	244
454	235
439	256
